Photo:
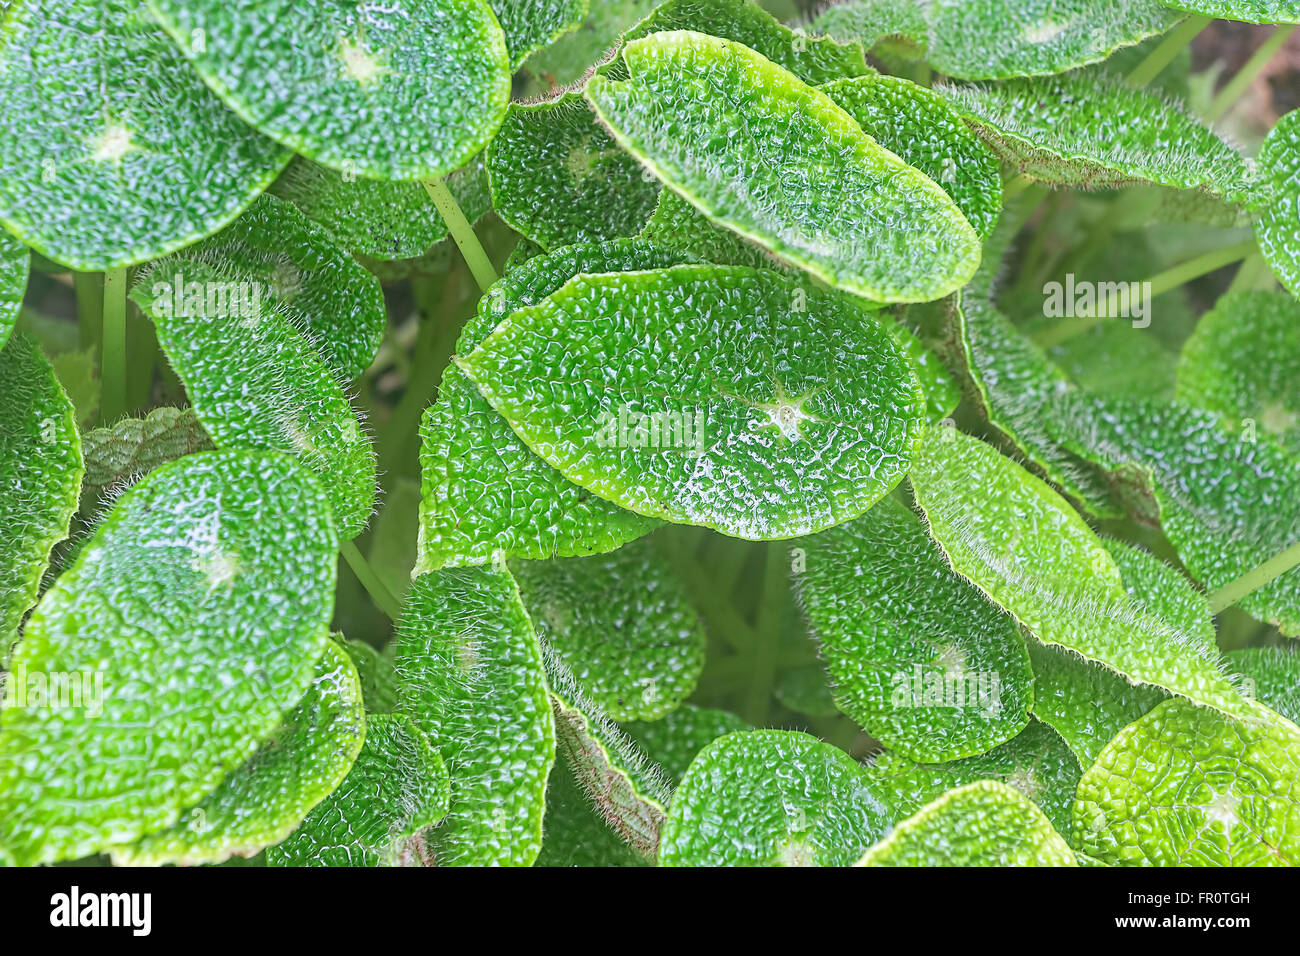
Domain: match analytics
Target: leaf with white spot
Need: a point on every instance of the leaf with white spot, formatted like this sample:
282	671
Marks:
470	674
133	156
767	156
766	409
255	382
409	91
190	624
1185	786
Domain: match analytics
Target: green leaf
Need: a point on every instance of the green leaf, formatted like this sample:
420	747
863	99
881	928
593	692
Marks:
40	477
1247	11
1278	228
191	622
261	802
396	788
119	455
1020	543
483	489
674	740
1036	762
806	690
565	61
14	267
918	124
377	671
558	177
306	276
780	162
942	394
401	93
815	60
1094	132
985	823
625	788
757	385
470	673
676	224
1271	676
530	25
256	382
1185	786
575	834
917	655
1243	362
622	624
772	798
899	22
132	156
388	221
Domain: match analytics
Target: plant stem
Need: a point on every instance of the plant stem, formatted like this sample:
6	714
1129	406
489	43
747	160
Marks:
384	599
1238	85
112	367
1161	283
767	647
1248	274
462	232
1164	54
1015	186
89	289
1230	594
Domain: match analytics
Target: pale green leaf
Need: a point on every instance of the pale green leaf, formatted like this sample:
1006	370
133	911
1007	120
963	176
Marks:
676	224
1247	11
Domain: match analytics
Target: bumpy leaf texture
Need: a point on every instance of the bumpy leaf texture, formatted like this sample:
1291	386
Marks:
917	655
121	454
985	823
132	156
530	25
256	382
1272	676
14	267
1278	228
40	477
779	162
572	55
767	409
1185	786
410	91
1247	11
265	798
191	622
470	675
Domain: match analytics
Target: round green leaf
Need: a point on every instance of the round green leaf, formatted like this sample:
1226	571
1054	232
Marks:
985	823
406	91
765	409
772	798
1278	228
14	267
1185	786
778	162
132	156
917	655
262	801
191	622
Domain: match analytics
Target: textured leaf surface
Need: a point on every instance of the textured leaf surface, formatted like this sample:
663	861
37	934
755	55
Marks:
470	674
384	220
917	655
40	477
779	162
797	421
1243	361
307	277
256	382
1036	762
569	57
772	798
1247	11
530	25
920	126
1185	786
1020	543
396	788
1272	676
1278	228
409	91
815	60
621	624
676	224
483	489
377	672
202	604
14	266
262	801
558	177
134	156
985	823
1096	133
675	739
118	456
